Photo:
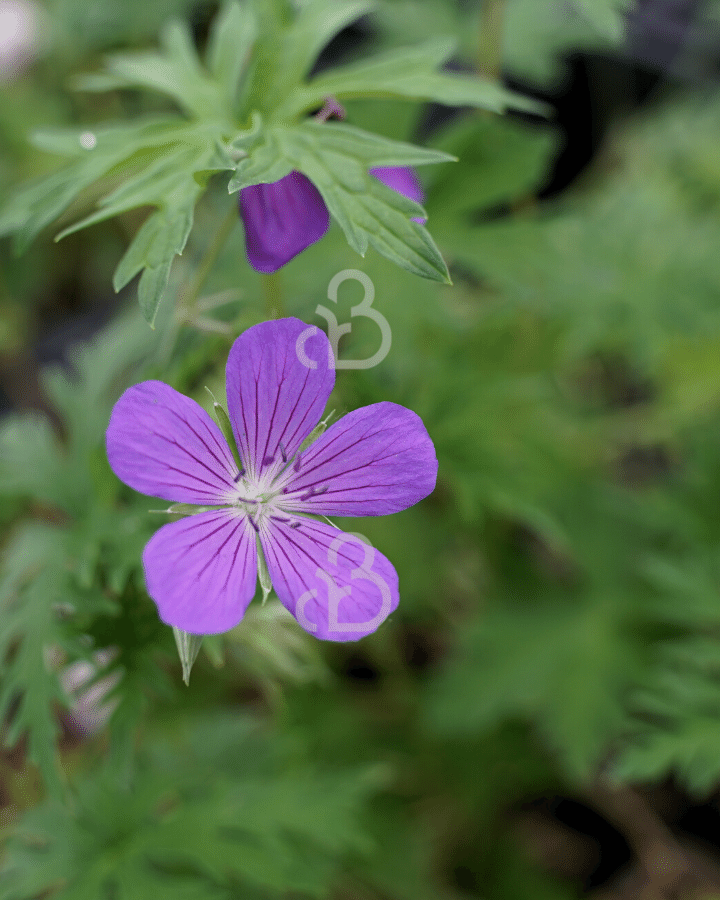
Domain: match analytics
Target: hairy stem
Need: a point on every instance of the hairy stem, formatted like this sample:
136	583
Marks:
210	257
272	292
490	43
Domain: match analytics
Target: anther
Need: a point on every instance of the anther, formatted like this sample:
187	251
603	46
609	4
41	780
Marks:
297	463
267	460
239	476
313	492
294	525
282	452
252	522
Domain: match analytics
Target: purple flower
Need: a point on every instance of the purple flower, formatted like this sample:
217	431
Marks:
201	571
285	217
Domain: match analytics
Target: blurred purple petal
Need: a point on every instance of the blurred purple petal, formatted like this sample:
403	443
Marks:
274	399
403	180
201	571
337	587
374	461
161	443
281	220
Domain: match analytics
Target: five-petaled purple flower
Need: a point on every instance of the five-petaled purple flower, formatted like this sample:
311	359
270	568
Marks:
285	217
201	571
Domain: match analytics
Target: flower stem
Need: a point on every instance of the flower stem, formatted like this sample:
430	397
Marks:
188	309
490	43
210	257
272	292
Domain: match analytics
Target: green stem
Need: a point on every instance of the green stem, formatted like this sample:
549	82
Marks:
272	292
188	309
490	44
211	255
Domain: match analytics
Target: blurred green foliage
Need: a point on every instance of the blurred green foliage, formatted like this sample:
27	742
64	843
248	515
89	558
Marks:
559	624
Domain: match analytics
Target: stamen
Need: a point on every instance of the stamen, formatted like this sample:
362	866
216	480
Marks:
243	500
331	110
297	463
294	525
239	476
313	492
254	525
267	460
282	452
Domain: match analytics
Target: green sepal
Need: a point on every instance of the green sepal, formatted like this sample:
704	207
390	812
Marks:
226	428
262	569
188	646
315	433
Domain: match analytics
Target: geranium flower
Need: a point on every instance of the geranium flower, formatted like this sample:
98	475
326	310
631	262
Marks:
201	571
285	217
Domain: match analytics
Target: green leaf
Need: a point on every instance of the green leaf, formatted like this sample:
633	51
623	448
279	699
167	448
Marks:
337	158
176	72
539	38
608	16
194	826
515	663
410	74
173	182
232	37
96	153
31	461
674	728
33	584
501	161
162	236
316	24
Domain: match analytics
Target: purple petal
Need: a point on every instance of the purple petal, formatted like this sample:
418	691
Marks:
201	571
336	586
281	220
376	460
275	399
164	444
403	180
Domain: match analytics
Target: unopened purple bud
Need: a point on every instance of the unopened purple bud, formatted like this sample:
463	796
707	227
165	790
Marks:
281	220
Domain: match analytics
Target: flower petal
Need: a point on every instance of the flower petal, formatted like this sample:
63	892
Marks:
201	571
275	399
376	460
338	587
402	179
281	220
161	443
